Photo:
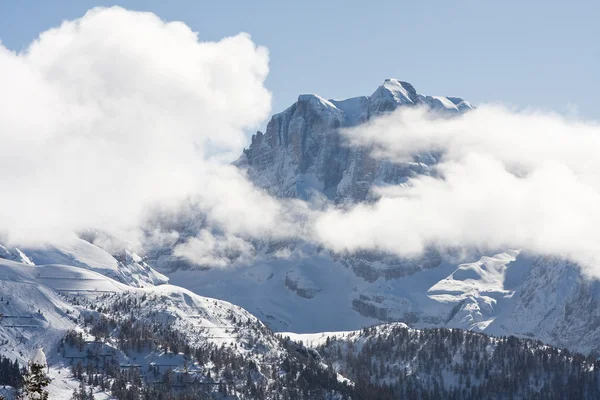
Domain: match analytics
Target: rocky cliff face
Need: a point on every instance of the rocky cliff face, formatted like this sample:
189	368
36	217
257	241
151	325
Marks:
302	151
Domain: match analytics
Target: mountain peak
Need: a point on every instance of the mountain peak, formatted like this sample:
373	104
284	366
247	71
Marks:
396	90
316	100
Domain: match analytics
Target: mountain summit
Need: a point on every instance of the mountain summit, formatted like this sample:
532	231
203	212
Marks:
302	151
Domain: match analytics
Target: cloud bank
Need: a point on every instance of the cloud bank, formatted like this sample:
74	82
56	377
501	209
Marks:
117	112
506	179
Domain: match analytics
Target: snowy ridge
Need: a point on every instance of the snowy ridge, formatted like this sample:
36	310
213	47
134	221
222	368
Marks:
315	340
14	254
126	267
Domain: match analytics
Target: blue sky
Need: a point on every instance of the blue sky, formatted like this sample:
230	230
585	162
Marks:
542	54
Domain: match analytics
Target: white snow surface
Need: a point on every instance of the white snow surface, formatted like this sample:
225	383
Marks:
36	314
398	91
263	289
39	358
130	269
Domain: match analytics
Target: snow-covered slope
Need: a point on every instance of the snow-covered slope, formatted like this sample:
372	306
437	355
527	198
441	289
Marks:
555	304
315	340
36	299
503	294
78	316
316	293
126	266
14	254
33	315
120	341
295	286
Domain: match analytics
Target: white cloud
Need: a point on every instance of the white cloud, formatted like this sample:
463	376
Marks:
118	111
212	250
507	180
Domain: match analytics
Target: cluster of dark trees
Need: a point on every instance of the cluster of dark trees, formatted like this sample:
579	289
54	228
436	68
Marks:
28	382
35	382
83	393
11	373
456	364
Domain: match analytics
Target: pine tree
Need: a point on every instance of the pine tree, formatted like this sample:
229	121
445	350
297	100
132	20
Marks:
36	381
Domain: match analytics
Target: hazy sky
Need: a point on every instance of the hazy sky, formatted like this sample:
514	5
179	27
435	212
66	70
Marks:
542	54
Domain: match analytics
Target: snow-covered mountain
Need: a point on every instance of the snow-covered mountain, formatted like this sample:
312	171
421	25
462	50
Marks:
303	152
298	286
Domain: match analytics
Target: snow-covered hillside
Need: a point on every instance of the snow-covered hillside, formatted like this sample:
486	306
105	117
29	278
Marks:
33	315
37	304
502	294
86	321
126	266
